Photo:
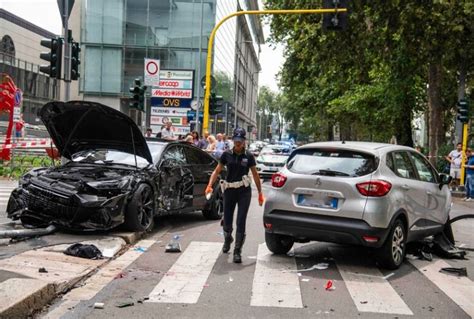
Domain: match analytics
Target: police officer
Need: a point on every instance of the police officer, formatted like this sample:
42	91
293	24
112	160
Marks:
237	190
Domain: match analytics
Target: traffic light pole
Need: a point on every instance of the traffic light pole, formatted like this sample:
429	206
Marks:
67	52
464	147
205	124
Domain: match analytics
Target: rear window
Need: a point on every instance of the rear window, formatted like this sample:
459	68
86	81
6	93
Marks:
332	162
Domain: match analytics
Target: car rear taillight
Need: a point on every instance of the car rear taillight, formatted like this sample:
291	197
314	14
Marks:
278	180
375	188
370	239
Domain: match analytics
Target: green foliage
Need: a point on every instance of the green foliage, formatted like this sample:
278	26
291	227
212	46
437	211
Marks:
21	164
372	78
224	86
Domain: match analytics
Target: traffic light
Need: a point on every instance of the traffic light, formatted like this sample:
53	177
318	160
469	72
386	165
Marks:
54	57
75	60
463	111
137	101
215	104
335	21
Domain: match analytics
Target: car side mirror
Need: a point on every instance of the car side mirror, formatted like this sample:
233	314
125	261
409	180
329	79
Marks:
445	179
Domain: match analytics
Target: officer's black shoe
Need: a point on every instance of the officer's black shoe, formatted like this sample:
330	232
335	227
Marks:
239	242
227	241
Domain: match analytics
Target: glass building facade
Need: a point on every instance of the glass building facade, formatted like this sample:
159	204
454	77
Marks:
116	36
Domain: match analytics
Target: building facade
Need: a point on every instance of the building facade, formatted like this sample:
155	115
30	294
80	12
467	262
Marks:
117	35
20	58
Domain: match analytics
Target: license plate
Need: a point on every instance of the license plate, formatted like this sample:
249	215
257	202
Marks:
273	169
310	201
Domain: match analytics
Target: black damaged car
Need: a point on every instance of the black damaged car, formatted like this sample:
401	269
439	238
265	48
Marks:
110	175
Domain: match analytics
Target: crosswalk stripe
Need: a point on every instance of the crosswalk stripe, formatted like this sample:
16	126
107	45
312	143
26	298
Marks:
369	290
459	289
185	280
273	287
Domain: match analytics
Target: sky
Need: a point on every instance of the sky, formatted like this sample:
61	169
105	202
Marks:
45	13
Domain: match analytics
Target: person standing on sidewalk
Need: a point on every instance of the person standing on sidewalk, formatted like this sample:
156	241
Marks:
455	159
236	190
469	176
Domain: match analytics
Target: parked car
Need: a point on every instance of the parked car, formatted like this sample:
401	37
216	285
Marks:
111	175
256	147
375	195
271	159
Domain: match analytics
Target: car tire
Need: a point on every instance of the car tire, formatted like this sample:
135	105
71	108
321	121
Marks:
216	209
140	210
392	253
278	244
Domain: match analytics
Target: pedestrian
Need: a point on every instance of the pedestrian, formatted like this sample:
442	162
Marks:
189	139
211	144
196	140
455	159
469	176
19	128
236	190
148	132
203	142
220	146
167	133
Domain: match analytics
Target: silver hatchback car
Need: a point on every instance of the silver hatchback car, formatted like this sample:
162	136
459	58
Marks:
371	194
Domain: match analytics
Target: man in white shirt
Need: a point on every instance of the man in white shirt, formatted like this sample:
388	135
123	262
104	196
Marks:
167	133
455	159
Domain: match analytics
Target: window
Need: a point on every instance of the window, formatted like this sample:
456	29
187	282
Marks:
104	20
103	69
198	157
174	156
425	171
332	162
402	165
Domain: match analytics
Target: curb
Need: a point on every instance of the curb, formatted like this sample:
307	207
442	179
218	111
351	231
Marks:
22	297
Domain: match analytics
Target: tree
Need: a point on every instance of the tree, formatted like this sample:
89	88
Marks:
372	77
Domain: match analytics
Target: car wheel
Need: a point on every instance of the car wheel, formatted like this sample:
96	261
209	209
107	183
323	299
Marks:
392	253
278	244
216	209
140	210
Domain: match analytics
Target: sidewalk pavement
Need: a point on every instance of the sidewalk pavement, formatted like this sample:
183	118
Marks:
25	289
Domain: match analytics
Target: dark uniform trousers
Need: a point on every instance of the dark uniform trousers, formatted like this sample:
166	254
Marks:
239	197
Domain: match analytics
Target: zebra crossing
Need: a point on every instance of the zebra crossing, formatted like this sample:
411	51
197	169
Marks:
276	281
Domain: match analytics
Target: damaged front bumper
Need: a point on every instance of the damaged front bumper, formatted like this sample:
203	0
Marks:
39	207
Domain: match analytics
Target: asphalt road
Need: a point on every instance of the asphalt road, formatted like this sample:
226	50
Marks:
201	282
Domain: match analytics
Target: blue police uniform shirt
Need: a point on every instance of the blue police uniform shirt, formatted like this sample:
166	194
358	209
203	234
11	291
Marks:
238	165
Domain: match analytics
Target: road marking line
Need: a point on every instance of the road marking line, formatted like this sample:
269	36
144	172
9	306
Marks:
459	289
185	280
369	290
102	278
275	282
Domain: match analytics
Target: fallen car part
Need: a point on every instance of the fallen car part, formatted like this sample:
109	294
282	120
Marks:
21	233
453	270
84	251
173	247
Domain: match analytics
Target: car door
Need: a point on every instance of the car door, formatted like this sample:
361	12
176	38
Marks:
414	196
201	165
436	198
176	179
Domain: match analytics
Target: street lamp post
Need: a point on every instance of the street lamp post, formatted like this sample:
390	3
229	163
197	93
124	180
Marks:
207	93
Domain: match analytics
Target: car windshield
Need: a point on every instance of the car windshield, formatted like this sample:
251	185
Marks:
276	149
106	156
332	162
156	149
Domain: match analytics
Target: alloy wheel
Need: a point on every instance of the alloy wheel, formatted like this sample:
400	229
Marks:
398	244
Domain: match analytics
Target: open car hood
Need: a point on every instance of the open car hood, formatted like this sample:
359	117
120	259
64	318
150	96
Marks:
80	125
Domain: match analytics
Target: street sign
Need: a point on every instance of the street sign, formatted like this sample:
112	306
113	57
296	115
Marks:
61	6
203	81
152	72
192	115
169	111
18	97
